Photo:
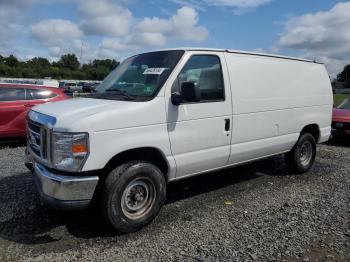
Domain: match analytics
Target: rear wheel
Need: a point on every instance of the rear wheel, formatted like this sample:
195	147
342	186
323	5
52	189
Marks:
133	195
301	158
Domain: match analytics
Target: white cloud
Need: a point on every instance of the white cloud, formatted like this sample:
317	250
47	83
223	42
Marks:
181	26
59	35
322	35
104	18
72	46
113	44
14	25
238	3
154	24
111	47
184	25
148	39
239	6
196	4
11	22
117	29
157	32
131	35
53	31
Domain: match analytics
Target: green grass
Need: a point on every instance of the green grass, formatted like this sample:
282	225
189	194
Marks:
338	98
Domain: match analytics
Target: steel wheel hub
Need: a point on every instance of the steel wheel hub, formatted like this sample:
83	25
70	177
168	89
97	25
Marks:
305	153
138	198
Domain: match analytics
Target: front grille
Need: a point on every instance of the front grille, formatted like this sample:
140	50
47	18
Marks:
37	139
341	125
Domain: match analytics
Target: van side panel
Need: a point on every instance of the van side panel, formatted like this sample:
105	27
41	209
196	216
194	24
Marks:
266	83
273	100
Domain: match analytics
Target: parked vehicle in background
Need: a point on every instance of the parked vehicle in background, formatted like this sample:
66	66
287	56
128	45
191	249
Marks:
61	84
341	121
16	100
89	87
167	115
71	86
42	82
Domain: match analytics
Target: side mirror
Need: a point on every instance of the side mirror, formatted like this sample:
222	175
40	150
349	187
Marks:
190	92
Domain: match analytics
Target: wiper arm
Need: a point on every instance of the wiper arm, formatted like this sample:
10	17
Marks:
111	95
120	92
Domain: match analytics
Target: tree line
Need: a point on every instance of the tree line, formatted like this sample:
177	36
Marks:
344	76
67	67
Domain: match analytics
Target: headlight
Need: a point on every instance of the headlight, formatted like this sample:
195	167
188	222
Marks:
69	150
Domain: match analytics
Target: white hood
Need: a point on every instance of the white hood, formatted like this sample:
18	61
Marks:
88	114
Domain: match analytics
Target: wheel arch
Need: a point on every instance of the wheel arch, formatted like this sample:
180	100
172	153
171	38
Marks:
313	129
150	154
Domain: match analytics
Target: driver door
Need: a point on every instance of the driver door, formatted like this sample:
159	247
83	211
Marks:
200	132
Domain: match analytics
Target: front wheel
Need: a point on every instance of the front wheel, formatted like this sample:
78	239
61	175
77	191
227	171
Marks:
133	195
301	158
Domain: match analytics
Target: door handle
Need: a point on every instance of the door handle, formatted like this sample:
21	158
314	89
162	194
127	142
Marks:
227	124
28	105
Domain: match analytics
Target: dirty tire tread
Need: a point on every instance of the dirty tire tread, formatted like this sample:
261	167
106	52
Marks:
110	184
292	157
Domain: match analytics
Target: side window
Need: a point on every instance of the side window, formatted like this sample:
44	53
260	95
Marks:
40	94
12	94
205	70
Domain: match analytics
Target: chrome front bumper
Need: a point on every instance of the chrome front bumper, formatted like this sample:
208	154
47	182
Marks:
64	192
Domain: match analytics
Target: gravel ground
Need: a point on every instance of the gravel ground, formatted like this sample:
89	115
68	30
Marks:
252	212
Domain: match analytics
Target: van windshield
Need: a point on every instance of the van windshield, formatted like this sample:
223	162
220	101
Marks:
139	77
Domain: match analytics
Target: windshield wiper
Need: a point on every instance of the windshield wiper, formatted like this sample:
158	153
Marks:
120	92
111	95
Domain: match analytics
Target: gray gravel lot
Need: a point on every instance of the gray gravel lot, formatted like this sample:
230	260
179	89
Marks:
272	215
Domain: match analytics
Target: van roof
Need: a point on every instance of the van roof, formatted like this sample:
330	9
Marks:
238	52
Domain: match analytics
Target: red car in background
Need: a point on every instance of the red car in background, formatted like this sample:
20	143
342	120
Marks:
16	100
341	121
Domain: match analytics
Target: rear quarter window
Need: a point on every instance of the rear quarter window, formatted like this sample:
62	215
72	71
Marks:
40	94
11	94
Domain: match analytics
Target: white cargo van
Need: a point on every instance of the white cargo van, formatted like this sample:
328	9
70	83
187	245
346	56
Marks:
170	114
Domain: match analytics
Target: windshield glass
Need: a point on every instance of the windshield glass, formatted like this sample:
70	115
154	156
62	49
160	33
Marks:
345	104
140	76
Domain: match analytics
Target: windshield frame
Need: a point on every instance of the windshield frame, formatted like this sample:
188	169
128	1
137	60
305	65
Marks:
138	98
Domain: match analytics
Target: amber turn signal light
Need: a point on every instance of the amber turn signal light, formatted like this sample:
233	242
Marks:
76	149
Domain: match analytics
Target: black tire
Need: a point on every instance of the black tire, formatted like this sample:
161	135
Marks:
129	187
301	158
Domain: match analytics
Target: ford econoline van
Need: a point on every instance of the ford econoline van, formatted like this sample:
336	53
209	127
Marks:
167	115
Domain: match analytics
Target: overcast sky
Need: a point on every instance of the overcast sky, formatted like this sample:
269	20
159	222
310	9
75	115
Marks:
317	29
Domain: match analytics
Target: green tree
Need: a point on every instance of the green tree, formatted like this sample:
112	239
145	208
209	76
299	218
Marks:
109	63
11	61
39	62
344	75
69	61
4	70
67	67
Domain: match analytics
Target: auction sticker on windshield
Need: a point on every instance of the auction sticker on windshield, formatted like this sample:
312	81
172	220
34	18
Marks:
154	71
